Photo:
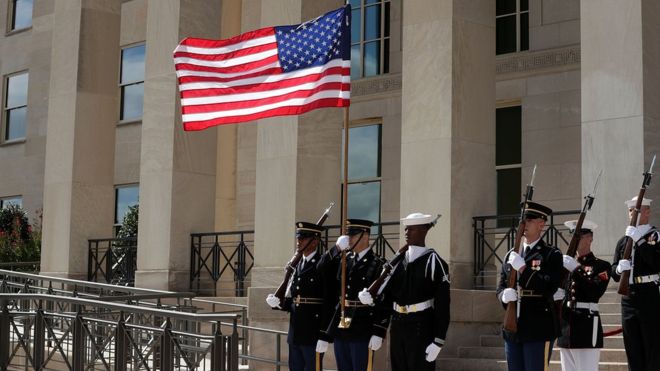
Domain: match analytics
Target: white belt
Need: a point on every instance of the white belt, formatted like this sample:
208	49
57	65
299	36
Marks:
647	279
412	308
581	305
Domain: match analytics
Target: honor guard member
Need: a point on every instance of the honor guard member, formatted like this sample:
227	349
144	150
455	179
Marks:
304	301
363	327
418	292
539	272
581	328
640	311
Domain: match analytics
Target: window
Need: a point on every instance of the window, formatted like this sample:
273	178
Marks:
20	12
512	26
132	82
15	200
370	37
508	144
364	156
15	106
125	196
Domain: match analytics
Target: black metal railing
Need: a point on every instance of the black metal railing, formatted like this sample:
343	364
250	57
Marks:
84	334
220	262
21	266
112	260
492	241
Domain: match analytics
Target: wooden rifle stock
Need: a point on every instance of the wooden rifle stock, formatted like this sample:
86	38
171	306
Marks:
291	265
387	271
624	287
511	317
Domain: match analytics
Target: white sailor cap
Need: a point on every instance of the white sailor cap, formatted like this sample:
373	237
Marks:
417	219
633	201
587	226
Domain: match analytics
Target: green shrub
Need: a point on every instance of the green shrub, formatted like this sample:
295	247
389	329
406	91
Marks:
19	241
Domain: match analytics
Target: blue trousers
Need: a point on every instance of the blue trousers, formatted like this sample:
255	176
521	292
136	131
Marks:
351	355
303	357
529	356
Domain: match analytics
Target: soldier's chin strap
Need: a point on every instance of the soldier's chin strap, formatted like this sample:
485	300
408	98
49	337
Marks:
351	248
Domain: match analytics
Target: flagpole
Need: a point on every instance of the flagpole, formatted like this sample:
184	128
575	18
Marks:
344	212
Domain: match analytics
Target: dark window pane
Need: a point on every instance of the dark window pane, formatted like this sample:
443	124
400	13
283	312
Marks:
386	57
5	202
372	1
356	60
132	64
355	4
364	201
524	5
22	15
387	19
16	123
506	35
125	197
508	191
505	7
524	31
17	89
131	101
355	26
364	152
508	136
372	22
372	58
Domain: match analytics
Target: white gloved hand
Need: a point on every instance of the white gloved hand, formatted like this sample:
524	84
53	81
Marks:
570	263
375	342
509	295
624	265
273	301
365	297
321	346
634	233
559	295
432	352
343	242
516	260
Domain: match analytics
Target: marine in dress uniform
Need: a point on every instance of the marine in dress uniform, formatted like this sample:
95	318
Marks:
418	293
581	328
640	311
539	272
368	324
304	300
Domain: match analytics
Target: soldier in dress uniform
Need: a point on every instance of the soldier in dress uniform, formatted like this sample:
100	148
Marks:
418	293
581	328
353	345
304	300
640	311
539	272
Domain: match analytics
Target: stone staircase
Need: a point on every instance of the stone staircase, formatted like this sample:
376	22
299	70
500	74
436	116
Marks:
489	354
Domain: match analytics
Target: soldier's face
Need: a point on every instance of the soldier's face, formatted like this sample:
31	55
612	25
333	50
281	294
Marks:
359	241
308	243
644	215
533	228
416	234
584	247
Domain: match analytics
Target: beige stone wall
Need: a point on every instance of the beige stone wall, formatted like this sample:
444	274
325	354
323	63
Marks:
553	23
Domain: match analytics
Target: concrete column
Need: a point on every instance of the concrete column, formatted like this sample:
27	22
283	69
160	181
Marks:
448	122
177	168
620	114
82	114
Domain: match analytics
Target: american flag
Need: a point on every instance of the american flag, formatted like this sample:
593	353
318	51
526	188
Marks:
274	71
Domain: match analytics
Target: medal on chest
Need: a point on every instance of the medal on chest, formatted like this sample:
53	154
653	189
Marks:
536	264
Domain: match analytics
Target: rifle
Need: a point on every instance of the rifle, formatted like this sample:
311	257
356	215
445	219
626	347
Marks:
511	315
291	265
624	288
388	267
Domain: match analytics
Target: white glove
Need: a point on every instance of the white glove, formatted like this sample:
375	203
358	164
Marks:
365	298
343	242
509	295
273	301
570	263
432	352
516	260
633	233
375	342
559	295
624	265
321	346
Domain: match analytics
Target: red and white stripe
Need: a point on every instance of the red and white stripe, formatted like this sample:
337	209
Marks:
240	79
